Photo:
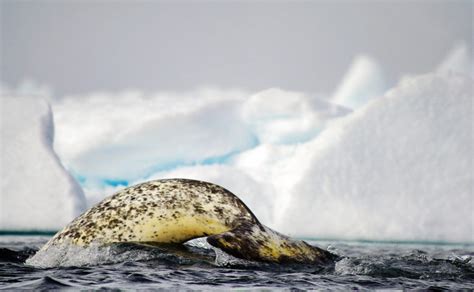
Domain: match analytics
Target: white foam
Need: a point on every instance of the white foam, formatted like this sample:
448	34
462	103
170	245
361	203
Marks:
69	255
36	191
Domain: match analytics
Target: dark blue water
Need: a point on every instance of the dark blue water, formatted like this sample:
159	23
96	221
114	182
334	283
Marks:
362	266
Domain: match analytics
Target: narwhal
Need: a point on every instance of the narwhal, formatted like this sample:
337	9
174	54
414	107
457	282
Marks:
177	210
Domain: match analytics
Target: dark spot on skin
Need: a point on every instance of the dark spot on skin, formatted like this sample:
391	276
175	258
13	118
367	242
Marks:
113	223
198	208
90	225
219	210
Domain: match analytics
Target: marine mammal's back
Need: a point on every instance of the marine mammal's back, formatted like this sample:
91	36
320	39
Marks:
177	210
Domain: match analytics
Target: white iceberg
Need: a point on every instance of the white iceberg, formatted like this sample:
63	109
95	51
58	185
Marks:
37	193
130	136
400	168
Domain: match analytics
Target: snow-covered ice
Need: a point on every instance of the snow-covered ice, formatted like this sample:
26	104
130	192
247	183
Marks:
37	193
399	168
124	137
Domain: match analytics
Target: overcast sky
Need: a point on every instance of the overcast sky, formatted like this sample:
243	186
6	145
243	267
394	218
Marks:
84	46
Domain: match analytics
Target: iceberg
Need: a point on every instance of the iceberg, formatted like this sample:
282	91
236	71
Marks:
129	136
399	168
37	193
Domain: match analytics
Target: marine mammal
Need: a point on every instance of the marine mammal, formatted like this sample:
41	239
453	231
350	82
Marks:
177	210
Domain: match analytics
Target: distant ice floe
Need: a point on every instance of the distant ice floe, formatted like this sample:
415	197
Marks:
37	193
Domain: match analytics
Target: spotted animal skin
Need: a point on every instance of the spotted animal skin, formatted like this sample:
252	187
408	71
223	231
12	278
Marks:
177	210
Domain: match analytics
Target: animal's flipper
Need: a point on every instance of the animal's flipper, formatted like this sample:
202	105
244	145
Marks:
259	243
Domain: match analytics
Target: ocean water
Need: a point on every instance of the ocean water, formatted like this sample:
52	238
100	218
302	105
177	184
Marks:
362	265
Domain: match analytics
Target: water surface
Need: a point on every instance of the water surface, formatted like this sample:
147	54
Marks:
363	265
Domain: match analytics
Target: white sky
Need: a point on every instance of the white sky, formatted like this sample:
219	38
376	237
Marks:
84	46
